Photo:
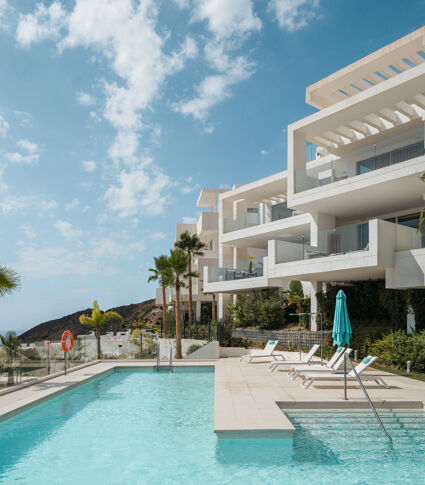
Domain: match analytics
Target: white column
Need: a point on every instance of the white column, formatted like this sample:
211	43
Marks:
321	222
411	324
296	158
311	288
224	299
198	310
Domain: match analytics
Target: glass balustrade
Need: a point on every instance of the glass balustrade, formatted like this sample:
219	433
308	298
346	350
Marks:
251	219
335	170
330	242
252	268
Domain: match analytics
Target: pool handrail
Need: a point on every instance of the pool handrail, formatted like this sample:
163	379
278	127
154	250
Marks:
381	424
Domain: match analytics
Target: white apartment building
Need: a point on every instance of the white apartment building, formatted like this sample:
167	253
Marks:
348	206
207	230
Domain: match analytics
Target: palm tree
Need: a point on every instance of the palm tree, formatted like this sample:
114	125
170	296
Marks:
9	280
421	226
161	273
178	261
192	246
10	344
96	320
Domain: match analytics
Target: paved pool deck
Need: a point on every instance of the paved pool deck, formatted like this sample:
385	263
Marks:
249	401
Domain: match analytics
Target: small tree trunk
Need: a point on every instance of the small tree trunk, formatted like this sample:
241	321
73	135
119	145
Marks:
178	324
164	313
190	293
213	313
98	341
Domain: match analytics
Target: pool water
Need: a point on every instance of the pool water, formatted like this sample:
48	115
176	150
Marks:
143	427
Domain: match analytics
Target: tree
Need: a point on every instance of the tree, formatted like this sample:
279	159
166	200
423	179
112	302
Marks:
178	273
296	295
10	347
161	273
192	246
9	281
96	320
421	226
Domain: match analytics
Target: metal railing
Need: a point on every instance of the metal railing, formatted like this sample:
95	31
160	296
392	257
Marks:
381	424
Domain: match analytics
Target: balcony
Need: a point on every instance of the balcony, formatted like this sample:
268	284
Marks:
253	268
207	223
346	253
336	170
331	242
252	218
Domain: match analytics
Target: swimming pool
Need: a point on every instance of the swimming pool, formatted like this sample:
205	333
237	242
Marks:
143	427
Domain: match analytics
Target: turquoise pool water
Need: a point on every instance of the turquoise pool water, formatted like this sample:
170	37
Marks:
143	427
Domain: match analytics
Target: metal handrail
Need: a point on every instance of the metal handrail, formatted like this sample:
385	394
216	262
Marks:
346	356
157	355
171	358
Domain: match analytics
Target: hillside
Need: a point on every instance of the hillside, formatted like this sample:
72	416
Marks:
52	330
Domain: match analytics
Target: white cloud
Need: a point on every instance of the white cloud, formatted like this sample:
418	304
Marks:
190	188
139	189
27	146
189	220
89	165
53	261
293	15
68	231
127	38
49	204
216	88
20	159
157	236
27	231
229	23
72	205
85	99
4	126
108	247
182	3
228	18
264	152
43	23
9	203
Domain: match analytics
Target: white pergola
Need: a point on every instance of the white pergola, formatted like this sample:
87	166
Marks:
376	97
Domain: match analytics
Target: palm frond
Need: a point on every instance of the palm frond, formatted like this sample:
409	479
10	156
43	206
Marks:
9	280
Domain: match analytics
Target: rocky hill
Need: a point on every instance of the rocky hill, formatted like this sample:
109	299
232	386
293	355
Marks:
52	330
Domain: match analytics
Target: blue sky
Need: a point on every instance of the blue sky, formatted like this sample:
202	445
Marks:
114	113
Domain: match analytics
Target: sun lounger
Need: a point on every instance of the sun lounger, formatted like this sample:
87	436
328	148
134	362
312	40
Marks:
364	364
304	360
268	351
334	364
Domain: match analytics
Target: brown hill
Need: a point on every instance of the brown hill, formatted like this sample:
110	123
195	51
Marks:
52	330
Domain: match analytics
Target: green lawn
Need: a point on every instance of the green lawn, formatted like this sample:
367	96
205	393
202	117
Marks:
411	375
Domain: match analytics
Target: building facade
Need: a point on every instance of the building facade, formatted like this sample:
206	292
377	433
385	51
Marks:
206	228
347	208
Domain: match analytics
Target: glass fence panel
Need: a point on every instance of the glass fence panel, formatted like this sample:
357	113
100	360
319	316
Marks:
250	219
330	242
252	268
333	171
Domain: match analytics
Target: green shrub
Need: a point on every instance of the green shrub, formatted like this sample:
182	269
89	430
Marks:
396	348
193	348
296	288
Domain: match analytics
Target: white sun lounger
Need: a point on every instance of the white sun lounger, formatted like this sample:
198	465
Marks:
304	360
311	378
335	363
268	351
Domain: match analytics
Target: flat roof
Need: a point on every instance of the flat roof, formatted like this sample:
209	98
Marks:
385	63
208	197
